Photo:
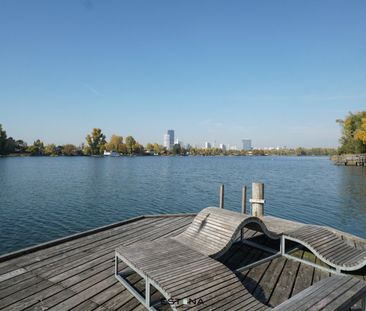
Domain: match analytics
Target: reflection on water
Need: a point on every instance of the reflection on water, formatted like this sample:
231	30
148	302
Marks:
45	198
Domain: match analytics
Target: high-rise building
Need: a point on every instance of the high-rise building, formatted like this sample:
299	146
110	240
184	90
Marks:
169	139
166	141
222	147
207	145
247	144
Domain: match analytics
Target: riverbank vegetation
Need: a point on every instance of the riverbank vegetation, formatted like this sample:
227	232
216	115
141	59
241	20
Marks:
353	139
96	144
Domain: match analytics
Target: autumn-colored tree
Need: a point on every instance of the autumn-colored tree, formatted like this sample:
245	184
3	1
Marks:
360	133
130	142
115	144
353	131
95	142
69	150
50	150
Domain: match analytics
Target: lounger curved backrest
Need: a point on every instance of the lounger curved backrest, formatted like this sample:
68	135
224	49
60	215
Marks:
329	247
214	230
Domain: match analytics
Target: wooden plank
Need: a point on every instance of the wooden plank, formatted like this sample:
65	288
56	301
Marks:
302	279
265	287
294	302
196	279
80	252
254	276
112	257
39	301
285	283
323	294
32	249
24	292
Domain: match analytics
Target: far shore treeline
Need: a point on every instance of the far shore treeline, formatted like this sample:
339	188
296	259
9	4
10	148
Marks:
353	141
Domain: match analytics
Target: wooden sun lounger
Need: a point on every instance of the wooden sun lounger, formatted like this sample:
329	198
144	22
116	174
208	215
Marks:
184	271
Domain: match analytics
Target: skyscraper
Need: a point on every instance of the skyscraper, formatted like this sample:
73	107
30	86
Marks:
169	139
247	144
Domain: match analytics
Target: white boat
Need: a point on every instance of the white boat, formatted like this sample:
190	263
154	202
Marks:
111	154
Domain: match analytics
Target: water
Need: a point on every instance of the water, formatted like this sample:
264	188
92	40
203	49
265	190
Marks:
44	198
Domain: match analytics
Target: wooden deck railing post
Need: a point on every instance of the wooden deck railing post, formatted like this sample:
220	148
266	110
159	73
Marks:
244	200
221	203
257	200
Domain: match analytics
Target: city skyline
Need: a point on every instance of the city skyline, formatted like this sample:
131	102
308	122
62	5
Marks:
263	71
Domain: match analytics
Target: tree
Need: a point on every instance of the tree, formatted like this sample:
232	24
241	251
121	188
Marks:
3	139
137	148
20	146
37	148
10	145
115	144
69	150
177	149
95	142
149	147
352	133
50	150
360	133
156	148
130	142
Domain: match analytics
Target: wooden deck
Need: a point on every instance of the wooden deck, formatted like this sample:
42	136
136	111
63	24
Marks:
78	273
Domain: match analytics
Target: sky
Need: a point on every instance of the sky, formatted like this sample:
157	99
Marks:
277	72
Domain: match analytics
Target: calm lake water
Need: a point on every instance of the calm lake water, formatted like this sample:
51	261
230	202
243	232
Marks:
44	198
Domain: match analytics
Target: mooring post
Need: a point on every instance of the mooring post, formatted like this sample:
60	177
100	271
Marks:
244	200
221	196
257	199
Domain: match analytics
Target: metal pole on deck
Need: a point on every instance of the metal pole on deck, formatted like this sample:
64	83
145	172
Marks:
244	200
221	203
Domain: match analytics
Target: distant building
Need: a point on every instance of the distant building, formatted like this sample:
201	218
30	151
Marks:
168	142
222	147
179	142
207	145
247	144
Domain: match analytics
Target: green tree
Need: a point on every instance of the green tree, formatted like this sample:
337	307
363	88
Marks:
157	148
176	149
10	145
37	148
137	148
149	147
130	142
3	139
20	146
95	142
69	150
352	129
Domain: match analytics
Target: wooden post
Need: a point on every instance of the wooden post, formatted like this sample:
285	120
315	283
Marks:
244	200
257	199
221	196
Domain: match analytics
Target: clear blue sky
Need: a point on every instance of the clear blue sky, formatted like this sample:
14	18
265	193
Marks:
279	72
